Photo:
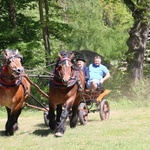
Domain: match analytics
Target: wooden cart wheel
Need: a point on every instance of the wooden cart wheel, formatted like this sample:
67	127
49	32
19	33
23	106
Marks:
46	120
83	113
104	110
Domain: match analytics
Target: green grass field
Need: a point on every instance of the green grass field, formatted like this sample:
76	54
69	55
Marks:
127	129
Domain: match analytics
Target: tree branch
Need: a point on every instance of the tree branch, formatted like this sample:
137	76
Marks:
130	5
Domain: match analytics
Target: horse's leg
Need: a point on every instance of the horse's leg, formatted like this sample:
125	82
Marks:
8	120
74	117
61	128
51	115
58	113
12	122
17	114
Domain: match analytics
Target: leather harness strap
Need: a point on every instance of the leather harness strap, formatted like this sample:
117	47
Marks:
71	82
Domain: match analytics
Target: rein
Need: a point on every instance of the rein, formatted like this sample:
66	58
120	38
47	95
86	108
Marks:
11	77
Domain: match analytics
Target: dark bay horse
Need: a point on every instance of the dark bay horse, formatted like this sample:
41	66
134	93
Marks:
64	90
13	88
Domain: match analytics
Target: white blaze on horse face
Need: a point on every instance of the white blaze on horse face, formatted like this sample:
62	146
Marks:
16	63
67	67
67	64
66	72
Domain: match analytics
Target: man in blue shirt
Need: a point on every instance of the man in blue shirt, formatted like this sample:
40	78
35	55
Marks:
98	74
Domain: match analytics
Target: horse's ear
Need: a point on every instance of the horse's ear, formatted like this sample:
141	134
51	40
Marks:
16	52
59	56
72	56
5	53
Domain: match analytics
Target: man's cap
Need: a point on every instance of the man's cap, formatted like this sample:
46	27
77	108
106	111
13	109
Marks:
80	58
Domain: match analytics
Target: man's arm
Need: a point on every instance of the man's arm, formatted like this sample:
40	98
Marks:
105	78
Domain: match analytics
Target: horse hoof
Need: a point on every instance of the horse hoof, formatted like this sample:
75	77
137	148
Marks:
9	133
58	134
73	125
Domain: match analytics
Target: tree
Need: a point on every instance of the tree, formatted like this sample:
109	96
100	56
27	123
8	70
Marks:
99	26
19	29
44	23
138	37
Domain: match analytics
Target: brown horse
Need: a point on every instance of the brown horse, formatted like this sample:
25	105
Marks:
13	88
64	90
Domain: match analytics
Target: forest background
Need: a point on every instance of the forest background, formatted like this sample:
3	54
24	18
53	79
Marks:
41	29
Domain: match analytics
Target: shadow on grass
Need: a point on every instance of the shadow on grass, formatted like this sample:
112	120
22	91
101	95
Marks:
2	133
41	125
45	131
42	132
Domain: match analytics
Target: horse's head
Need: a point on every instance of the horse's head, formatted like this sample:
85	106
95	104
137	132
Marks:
12	62
64	67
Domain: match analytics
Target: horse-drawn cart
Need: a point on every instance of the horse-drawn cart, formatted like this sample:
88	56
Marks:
87	105
92	101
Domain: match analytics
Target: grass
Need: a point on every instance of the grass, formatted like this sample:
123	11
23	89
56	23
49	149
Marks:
127	129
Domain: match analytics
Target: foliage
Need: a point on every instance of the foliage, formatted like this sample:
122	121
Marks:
140	91
121	88
24	36
95	30
73	25
118	84
25	30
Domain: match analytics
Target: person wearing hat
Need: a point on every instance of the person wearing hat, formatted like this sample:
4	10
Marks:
81	63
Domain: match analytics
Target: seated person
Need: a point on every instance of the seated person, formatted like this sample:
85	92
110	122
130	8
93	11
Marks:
98	74
82	66
81	63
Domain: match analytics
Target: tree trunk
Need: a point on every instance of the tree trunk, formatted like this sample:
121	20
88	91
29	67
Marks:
47	34
45	29
12	13
137	47
12	18
138	38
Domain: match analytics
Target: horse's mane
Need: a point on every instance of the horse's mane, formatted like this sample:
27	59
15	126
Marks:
11	53
65	53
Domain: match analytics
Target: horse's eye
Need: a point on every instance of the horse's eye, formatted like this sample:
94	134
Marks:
59	67
21	60
8	61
